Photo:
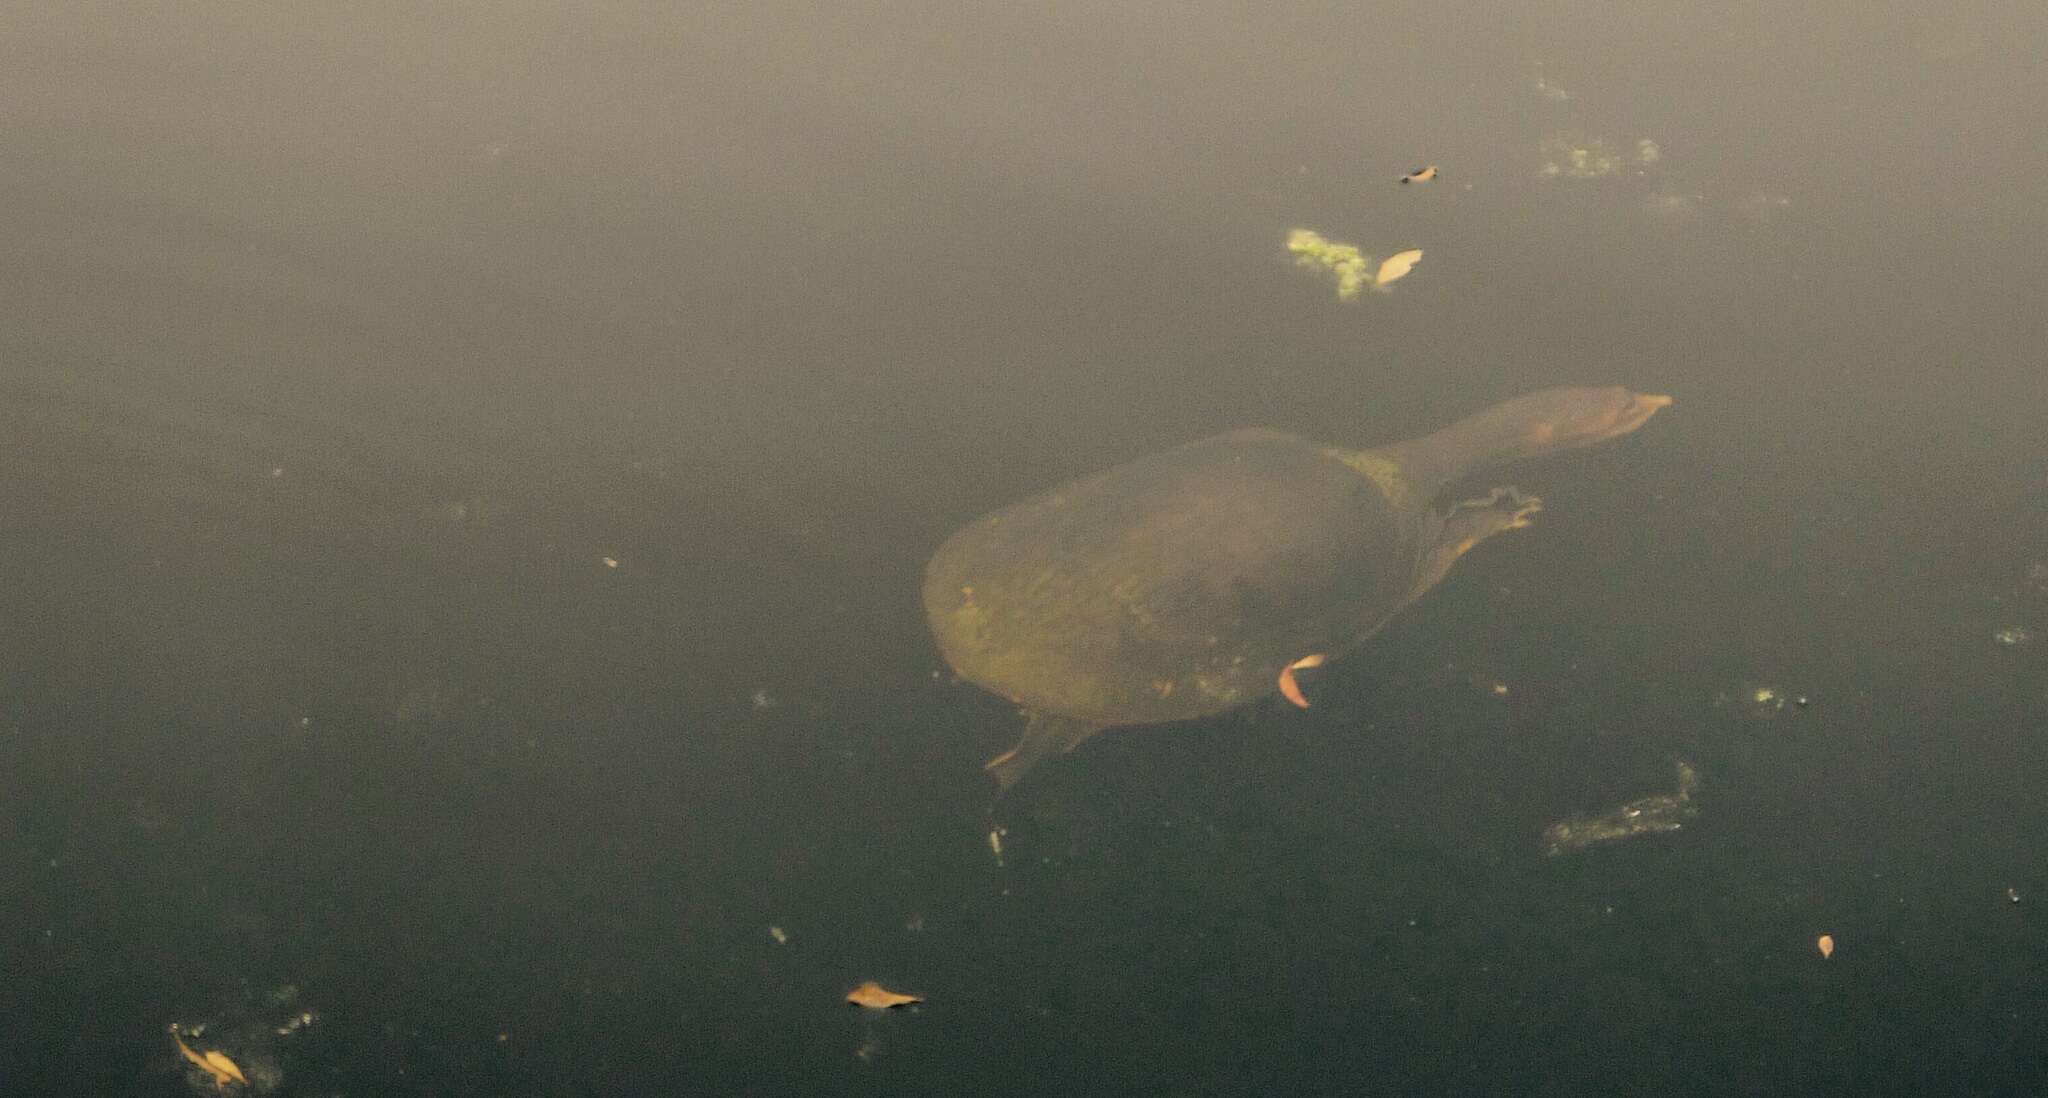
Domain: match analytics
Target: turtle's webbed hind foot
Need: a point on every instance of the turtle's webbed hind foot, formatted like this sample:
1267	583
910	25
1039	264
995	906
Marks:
1044	735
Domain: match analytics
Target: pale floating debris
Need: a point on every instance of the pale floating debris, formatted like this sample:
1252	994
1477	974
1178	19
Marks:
1762	205
1550	91
1650	815
1342	260
2036	581
1826	944
1676	207
1570	154
2013	894
473	509
1290	689
780	935
1420	175
1758	702
611	562
876	997
1480	681
995	844
762	699
1396	266
2013	635
1575	156
276	471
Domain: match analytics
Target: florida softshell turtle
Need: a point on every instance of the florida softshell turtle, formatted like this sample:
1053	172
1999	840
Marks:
1185	583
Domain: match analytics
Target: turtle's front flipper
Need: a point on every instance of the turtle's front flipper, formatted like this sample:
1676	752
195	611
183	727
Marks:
1468	523
1043	735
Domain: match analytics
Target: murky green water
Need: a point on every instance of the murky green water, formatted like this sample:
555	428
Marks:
464	480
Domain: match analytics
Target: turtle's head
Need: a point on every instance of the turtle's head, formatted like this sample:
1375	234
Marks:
1566	419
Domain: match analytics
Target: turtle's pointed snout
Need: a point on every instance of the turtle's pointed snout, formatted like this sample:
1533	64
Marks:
1641	407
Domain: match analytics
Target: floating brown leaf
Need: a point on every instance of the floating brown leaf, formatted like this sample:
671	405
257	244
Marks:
876	997
1826	945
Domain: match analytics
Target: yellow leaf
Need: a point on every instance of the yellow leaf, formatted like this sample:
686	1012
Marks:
1396	266
224	1068
213	1061
876	997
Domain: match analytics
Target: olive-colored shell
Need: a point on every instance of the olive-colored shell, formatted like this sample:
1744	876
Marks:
1175	586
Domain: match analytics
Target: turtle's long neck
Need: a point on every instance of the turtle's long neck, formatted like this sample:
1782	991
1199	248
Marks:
1429	464
1525	427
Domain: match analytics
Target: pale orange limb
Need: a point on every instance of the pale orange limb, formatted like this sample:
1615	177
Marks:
1290	689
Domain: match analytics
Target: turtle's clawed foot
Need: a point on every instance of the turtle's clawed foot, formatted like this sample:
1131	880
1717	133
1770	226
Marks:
1525	508
1470	522
1504	509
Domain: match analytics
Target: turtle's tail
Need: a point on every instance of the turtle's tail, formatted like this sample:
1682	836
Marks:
1043	735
